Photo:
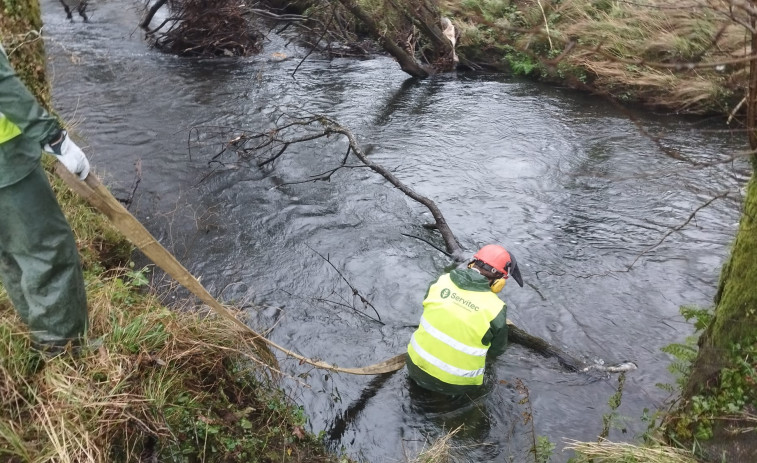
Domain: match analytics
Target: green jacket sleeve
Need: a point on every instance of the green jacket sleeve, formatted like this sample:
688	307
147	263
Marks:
496	335
21	108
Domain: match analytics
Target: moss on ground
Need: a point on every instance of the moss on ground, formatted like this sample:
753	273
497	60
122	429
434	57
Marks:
20	29
716	414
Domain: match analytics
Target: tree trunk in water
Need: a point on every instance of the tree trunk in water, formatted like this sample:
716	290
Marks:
725	362
728	341
407	62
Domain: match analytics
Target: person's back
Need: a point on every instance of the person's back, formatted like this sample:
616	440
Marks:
463	322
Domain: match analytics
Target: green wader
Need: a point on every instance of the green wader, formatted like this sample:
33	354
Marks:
39	261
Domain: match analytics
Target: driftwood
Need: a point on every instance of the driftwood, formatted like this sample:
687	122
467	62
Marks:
202	28
567	360
279	140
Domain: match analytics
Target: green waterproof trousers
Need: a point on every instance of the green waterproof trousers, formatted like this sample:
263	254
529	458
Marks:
39	261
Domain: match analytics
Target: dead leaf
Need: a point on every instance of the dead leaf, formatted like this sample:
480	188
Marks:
298	432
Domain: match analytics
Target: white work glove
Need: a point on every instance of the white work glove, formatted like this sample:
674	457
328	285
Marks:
70	155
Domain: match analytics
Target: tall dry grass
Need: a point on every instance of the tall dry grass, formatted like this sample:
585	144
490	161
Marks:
438	451
681	55
613	452
663	52
151	384
144	362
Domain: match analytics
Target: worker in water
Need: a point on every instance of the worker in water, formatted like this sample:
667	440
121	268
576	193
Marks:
39	261
463	322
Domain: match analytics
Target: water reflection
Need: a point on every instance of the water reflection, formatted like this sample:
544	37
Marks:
396	101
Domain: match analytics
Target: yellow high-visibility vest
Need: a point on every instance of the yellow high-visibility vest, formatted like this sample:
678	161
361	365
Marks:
8	129
447	344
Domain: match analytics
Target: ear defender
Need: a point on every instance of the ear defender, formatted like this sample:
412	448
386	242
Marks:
497	285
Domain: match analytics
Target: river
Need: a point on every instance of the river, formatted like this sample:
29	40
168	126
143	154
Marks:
567	182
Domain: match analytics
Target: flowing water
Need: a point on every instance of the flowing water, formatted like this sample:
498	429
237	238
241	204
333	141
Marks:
567	182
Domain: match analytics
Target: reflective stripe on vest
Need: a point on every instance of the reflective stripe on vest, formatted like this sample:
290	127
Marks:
450	341
444	366
447	344
8	129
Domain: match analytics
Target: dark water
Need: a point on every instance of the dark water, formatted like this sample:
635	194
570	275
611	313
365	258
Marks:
567	182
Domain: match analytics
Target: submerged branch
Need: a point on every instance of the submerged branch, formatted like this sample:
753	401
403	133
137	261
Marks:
354	290
277	139
453	247
567	360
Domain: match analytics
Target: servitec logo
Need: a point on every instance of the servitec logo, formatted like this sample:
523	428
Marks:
445	293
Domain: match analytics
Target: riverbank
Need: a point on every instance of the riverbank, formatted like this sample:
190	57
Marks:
685	59
658	53
153	383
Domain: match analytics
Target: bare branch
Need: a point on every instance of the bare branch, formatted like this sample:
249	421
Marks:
323	177
679	227
277	139
355	292
151	13
453	247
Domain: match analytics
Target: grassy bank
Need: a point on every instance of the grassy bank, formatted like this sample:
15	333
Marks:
661	53
177	384
155	384
685	57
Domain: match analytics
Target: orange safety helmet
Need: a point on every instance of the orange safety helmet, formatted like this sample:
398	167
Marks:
500	260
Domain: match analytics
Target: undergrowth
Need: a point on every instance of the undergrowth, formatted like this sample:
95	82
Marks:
152	383
731	396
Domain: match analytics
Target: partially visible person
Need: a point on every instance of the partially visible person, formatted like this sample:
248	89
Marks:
463	323
39	261
79	5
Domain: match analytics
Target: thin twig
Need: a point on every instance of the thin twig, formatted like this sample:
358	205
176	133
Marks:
546	24
355	292
429	243
679	227
315	44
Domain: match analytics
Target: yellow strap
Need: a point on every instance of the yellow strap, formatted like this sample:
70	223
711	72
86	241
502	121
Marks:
8	129
99	196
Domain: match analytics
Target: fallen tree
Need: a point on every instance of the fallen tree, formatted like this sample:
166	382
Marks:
412	31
